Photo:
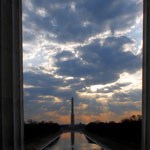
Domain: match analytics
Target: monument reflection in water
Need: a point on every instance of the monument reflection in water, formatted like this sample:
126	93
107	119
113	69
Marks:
73	141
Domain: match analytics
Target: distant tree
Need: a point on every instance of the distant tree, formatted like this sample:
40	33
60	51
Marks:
127	131
30	121
133	118
112	122
33	129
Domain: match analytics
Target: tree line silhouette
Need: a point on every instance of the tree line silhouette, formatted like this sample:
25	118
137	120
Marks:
34	130
127	131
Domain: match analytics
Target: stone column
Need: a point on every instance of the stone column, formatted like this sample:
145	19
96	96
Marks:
146	77
11	81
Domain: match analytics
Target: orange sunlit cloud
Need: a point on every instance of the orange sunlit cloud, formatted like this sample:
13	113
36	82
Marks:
86	118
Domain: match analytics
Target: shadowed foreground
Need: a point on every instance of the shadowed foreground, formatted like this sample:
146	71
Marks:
123	135
37	133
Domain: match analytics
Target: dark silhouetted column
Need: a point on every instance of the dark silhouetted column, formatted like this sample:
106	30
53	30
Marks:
11	91
72	113
146	77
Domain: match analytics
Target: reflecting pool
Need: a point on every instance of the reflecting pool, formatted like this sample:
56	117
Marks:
73	141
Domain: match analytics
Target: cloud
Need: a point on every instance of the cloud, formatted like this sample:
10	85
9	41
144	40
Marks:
112	88
64	56
101	63
86	49
133	95
120	108
79	20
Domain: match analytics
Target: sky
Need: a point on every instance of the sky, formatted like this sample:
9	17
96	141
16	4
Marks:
87	49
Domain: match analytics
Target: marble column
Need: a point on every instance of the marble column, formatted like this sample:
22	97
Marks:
11	80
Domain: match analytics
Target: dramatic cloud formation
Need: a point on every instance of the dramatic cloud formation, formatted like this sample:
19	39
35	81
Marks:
90	50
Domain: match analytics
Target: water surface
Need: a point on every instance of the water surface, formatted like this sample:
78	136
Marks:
73	141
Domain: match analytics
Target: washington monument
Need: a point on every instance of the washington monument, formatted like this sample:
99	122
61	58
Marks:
72	113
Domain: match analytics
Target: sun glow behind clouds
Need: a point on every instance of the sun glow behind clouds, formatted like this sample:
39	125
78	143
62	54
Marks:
84	49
